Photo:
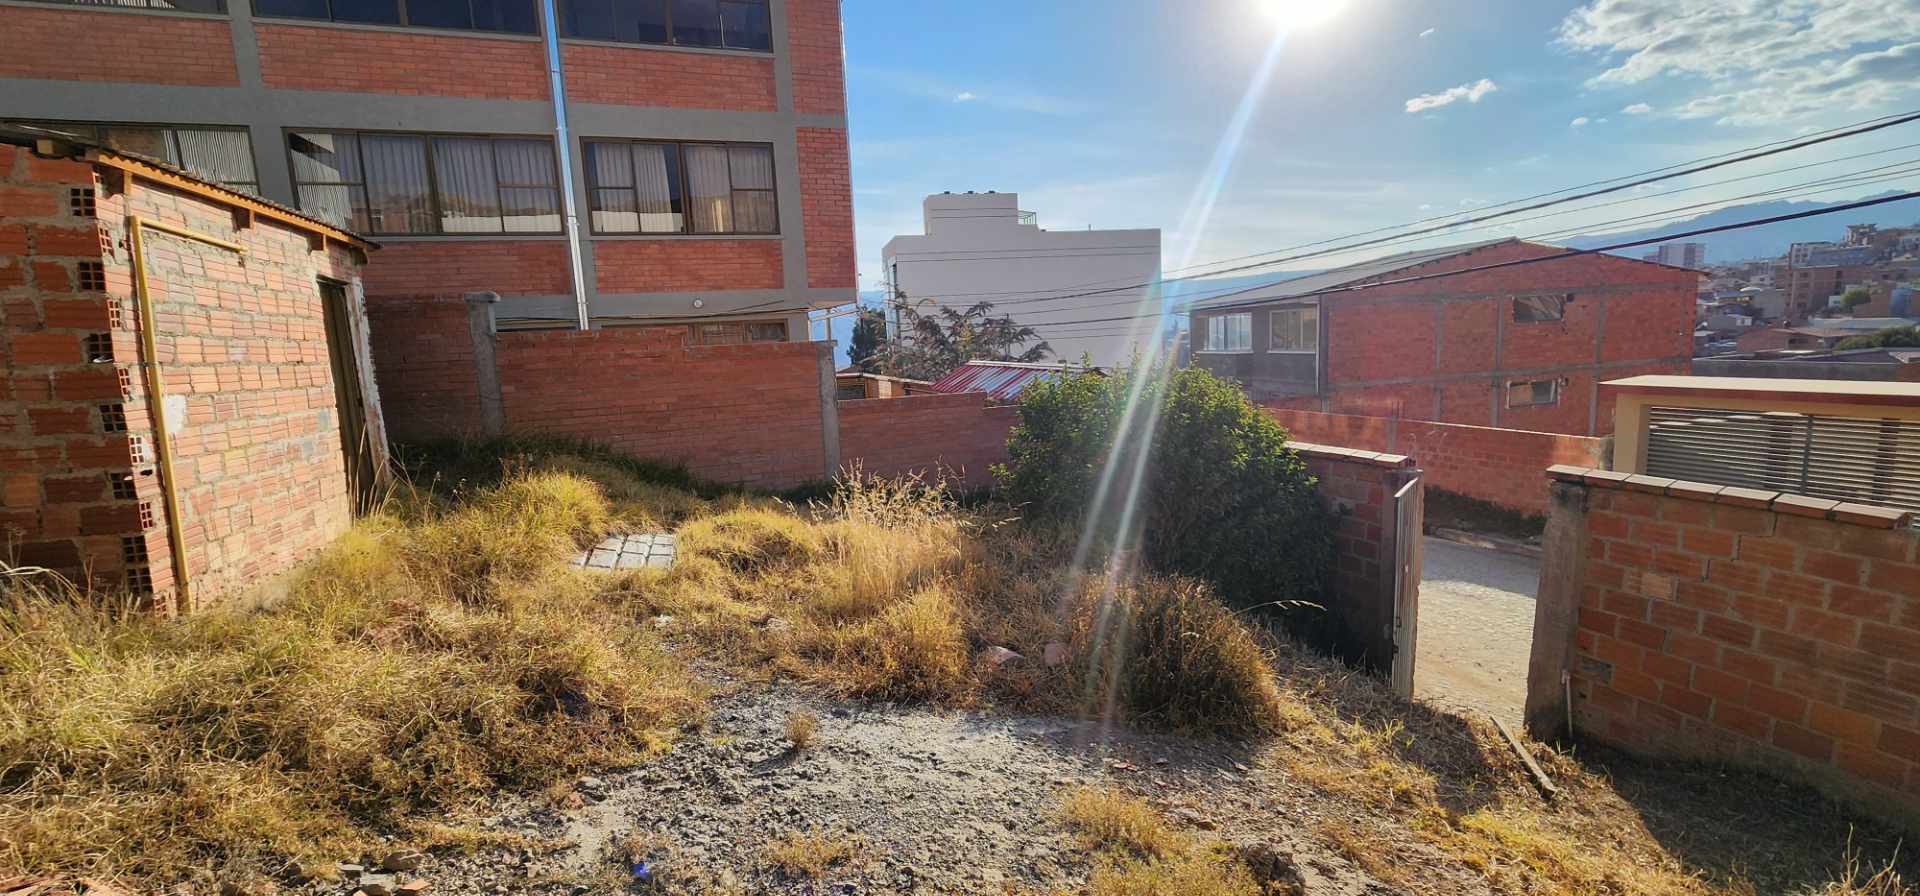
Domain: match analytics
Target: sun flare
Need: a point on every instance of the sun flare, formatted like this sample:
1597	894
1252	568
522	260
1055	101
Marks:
1301	13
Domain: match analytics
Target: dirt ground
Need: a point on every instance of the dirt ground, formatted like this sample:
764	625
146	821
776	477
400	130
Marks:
1475	629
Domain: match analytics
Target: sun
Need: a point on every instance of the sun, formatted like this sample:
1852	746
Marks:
1301	13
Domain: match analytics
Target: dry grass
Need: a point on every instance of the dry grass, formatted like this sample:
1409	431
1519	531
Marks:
801	727
1107	820
1858	880
813	853
416	664
1188	874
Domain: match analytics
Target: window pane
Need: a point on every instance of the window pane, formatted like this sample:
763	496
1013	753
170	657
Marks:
751	167
640	20
303	9
656	169
337	205
610	164
710	199
149	142
767	332
754	212
222	156
514	16
377	11
1539	308
746	25
439	13
530	209
614	211
396	171
610	182
719	334
696	22
587	18
469	194
525	163
324	158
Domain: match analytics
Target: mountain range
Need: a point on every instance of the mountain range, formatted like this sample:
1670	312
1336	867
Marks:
1765	241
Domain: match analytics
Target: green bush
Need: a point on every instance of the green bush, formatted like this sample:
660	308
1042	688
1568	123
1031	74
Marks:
1220	496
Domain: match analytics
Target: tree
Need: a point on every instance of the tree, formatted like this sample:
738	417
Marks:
869	338
1891	337
931	345
1854	298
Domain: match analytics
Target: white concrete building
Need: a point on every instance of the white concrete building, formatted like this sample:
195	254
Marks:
980	247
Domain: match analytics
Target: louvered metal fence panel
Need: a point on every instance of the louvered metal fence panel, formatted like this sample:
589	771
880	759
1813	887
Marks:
1869	461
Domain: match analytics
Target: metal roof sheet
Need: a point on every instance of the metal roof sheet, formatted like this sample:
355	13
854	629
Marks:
1004	380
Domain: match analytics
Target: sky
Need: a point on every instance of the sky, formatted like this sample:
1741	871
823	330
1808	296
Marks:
1111	113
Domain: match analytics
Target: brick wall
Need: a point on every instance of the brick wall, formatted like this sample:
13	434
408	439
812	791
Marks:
356	60
687	265
1360	485
1734	625
1501	466
926	435
734	413
424	355
85	45
826	198
508	267
255	432
636	76
819	72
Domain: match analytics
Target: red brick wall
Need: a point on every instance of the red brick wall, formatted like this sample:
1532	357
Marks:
508	267
819	71
638	76
826	199
687	265
1501	466
358	60
257	452
1732	625
927	434
1360	485
84	45
735	413
423	362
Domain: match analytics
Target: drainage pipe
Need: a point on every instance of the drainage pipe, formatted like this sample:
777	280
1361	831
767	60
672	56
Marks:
557	87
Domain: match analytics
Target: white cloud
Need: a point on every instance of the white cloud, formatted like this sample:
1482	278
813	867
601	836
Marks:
1429	32
1580	122
1637	109
1755	61
1426	206
1472	93
965	96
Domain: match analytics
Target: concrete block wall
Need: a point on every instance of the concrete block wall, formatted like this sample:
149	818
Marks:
1500	466
1734	625
259	470
927	435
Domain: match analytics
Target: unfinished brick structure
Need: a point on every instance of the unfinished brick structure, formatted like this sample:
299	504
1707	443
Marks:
1360	486
247	355
1499	466
1710	622
1520	347
927	435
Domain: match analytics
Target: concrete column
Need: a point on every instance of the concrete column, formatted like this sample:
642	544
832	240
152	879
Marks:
1556	611
486	374
829	410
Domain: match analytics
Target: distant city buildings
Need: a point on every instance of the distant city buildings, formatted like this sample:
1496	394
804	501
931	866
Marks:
1681	255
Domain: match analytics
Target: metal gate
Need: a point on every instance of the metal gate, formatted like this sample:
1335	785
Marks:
1861	459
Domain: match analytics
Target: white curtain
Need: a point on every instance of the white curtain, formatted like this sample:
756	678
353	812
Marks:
710	182
469	193
396	171
529	188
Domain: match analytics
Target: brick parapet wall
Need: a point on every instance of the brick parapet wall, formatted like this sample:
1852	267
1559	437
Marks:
826	197
640	76
959	435
424	355
1729	624
78	44
1500	466
361	60
674	265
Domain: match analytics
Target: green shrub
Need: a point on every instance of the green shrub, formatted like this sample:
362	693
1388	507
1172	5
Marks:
1221	497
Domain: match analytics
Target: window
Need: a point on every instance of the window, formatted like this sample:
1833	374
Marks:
1534	309
1296	330
221	155
1230	333
733	24
510	16
418	184
739	333
216	7
1533	392
681	188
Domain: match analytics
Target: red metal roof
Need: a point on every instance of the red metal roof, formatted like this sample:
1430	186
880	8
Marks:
1004	380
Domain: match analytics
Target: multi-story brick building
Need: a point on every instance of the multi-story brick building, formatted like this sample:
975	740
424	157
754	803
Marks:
1519	347
695	174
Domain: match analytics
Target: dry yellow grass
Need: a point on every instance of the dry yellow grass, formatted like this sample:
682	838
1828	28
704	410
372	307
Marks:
801	726
812	853
1107	820
1188	874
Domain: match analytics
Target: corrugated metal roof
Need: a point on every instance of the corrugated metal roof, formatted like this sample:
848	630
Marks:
1365	270
1004	380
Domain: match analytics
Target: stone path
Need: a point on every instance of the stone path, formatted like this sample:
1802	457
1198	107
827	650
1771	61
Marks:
1476	628
630	552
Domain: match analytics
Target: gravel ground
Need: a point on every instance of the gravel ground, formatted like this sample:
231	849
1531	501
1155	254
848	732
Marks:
1475	629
